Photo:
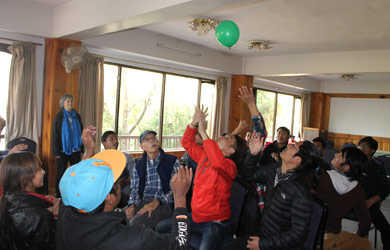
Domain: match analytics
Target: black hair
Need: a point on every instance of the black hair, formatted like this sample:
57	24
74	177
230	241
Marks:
17	171
284	129
240	151
320	140
310	157
371	142
356	160
106	134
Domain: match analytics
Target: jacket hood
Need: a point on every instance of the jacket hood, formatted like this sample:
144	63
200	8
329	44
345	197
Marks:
340	182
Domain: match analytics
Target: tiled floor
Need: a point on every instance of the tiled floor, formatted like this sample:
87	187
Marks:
351	226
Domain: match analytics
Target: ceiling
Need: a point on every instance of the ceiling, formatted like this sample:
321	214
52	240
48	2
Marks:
292	26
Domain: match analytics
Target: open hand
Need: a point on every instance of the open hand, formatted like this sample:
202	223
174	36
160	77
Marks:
255	143
246	95
149	207
18	148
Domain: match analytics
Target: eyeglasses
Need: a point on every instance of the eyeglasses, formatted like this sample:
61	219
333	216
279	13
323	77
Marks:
153	138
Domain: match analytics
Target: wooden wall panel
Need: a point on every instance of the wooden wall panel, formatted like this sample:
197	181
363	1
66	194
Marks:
339	139
239	110
316	110
56	83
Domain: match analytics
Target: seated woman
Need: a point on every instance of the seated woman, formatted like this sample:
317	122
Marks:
288	203
340	190
27	220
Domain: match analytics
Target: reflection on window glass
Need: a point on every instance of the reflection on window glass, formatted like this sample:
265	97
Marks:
5	64
265	102
297	121
139	108
110	86
207	99
181	95
284	111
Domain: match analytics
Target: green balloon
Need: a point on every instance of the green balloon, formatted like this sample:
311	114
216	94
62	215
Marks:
227	33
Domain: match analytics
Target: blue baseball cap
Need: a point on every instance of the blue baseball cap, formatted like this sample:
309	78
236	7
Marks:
86	184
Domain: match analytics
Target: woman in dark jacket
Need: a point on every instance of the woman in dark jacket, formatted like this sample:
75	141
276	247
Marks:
288	203
66	137
26	218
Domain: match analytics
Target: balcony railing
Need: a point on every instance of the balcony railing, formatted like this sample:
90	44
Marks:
130	143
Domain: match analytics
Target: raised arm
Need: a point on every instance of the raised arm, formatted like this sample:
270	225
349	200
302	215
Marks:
88	141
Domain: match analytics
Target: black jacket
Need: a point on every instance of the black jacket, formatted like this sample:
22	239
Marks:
110	230
56	135
288	207
33	224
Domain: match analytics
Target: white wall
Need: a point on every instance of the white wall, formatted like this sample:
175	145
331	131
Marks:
144	43
356	87
360	116
40	58
26	17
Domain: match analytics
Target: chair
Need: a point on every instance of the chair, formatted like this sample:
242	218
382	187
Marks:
31	145
237	198
351	215
315	238
385	159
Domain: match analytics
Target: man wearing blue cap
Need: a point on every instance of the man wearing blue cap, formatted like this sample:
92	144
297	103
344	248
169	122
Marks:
87	219
151	196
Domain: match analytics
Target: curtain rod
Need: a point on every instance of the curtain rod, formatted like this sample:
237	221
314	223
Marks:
14	40
154	65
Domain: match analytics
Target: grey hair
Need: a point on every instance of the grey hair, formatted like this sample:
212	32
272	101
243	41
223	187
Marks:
63	98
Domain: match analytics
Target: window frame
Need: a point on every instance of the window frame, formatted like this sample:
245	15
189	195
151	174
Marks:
295	96
120	66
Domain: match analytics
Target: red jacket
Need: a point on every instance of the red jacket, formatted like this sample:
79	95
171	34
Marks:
214	178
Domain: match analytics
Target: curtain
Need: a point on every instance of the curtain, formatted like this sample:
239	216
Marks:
305	108
22	116
219	112
91	94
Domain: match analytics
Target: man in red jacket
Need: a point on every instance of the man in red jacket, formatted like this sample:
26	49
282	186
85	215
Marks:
214	178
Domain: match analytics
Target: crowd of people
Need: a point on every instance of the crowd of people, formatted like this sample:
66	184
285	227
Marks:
112	201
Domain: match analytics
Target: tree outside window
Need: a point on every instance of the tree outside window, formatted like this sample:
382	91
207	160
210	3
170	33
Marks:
151	100
279	110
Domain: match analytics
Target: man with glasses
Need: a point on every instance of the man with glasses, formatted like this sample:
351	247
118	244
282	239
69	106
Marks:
376	185
151	196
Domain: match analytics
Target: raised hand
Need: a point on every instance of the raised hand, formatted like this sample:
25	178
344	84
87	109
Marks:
198	115
256	143
180	185
246	95
88	141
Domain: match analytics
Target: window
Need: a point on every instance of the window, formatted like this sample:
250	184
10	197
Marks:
136	100
5	64
279	110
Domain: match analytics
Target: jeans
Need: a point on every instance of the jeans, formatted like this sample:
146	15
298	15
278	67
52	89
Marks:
213	233
62	163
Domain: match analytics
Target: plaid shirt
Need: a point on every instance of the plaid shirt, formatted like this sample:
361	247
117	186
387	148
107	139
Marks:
374	181
153	186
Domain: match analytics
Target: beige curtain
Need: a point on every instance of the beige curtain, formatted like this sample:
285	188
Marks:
91	94
219	113
22	116
305	108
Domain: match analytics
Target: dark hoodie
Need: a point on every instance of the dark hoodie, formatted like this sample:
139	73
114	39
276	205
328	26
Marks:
110	230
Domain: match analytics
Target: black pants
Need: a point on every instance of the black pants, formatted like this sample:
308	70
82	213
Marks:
380	222
62	163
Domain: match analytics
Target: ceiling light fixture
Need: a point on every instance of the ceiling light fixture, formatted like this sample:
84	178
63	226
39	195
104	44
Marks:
203	26
259	45
349	77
